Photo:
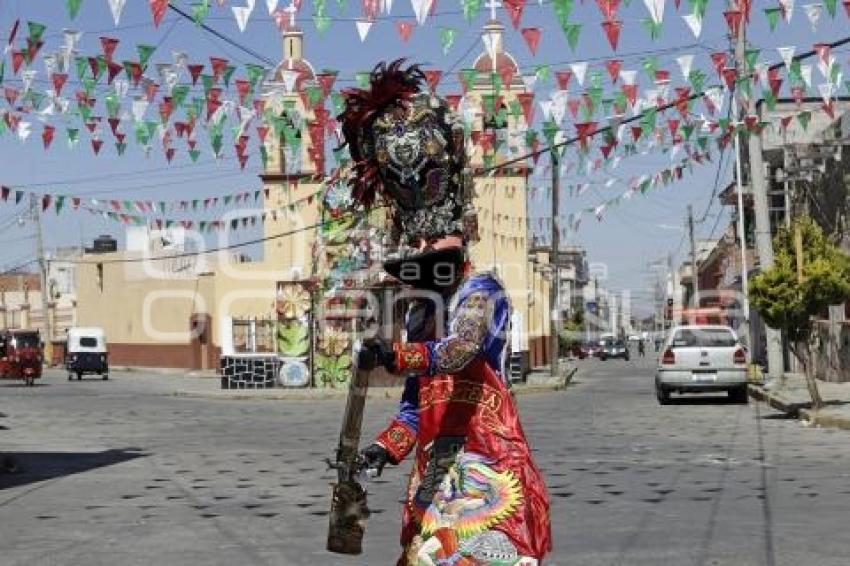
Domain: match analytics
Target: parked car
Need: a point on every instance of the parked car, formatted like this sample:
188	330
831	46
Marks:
86	353
614	349
702	358
591	349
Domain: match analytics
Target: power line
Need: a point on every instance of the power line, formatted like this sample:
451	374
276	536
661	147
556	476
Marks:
224	38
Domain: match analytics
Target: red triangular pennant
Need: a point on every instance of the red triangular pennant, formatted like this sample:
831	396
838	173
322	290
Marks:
158	9
612	32
532	38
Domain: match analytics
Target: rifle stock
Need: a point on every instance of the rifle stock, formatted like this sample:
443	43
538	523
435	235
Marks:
349	511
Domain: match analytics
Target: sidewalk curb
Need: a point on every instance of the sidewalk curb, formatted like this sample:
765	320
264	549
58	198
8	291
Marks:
203	373
798	410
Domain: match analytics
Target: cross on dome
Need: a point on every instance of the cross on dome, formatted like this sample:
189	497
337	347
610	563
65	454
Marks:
291	10
493	5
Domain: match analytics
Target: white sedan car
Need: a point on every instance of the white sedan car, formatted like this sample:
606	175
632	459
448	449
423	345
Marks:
702	358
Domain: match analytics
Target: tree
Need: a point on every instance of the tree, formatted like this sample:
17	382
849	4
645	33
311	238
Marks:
794	290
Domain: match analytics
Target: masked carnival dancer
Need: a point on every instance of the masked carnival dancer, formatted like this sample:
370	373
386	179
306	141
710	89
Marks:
475	496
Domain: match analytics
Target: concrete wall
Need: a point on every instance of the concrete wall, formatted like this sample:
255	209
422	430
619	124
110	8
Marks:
156	318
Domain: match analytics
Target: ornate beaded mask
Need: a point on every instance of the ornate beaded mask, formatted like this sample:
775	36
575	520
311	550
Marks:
407	147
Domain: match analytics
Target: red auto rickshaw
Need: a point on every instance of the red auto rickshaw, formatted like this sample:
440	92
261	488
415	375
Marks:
21	355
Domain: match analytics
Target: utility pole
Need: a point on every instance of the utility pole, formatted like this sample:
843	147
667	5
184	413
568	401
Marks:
694	272
740	61
35	213
553	260
764	246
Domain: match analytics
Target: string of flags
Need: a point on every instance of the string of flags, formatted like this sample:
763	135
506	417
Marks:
147	212
117	97
58	201
651	16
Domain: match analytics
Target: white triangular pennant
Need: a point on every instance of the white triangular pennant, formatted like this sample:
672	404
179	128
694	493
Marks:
363	27
655	9
241	13
180	58
694	23
716	97
579	70
117	7
140	105
24	130
813	12
529	81
27	78
806	73
271	5
122	87
826	68
787	54
421	9
629	77
559	105
787	9
685	63
546	108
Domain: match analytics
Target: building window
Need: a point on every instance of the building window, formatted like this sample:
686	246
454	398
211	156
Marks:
253	336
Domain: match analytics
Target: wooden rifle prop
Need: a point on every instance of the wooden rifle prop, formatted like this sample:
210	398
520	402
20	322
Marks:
349	511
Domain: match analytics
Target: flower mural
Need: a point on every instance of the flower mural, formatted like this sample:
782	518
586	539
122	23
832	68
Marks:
293	301
334	341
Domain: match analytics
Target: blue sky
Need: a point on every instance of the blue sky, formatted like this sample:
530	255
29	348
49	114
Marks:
641	230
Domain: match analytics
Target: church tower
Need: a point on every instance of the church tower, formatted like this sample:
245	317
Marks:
498	133
295	165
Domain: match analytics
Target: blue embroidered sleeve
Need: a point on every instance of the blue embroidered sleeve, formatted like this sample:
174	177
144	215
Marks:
408	410
468	331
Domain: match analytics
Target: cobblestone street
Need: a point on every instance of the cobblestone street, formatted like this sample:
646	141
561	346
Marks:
124	472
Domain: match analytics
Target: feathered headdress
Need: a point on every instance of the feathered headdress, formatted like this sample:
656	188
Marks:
389	85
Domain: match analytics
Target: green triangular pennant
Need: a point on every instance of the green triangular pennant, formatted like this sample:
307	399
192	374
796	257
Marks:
447	38
322	22
179	94
772	15
82	65
73	8
830	7
543	73
200	10
145	52
228	73
572	31
652	27
36	31
470	9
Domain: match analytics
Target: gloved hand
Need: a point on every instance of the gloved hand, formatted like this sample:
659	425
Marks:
375	457
374	352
